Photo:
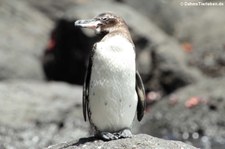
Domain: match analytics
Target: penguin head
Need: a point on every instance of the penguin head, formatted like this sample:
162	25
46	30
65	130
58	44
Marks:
103	23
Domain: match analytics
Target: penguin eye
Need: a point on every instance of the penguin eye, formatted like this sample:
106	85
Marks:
104	19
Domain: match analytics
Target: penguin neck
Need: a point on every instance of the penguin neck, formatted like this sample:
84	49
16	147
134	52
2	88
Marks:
120	31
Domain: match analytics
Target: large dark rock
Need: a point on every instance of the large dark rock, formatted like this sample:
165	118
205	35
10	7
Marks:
65	58
24	32
137	141
194	113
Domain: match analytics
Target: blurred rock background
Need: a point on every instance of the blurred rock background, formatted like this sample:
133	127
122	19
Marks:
180	56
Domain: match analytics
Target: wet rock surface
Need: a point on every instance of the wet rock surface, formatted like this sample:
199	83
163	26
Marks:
180	55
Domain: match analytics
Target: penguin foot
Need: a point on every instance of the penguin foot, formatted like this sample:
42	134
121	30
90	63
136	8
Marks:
107	136
125	133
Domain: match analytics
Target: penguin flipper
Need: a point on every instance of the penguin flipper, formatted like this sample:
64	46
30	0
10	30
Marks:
87	78
141	96
85	97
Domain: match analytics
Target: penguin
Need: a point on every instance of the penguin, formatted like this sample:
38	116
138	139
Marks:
113	91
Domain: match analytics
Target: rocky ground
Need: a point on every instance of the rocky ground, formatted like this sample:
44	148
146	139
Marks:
180	56
138	142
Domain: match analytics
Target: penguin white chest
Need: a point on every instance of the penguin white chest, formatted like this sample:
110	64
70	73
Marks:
112	95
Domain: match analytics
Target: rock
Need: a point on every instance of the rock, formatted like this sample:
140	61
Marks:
187	25
193	114
54	9
207	42
137	141
24	32
37	114
166	14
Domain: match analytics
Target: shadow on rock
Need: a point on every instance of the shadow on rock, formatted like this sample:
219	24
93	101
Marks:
85	140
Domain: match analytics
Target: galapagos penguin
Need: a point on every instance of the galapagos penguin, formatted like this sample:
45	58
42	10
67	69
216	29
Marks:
113	91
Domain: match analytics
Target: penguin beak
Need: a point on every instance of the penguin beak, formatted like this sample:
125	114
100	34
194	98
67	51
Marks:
91	23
